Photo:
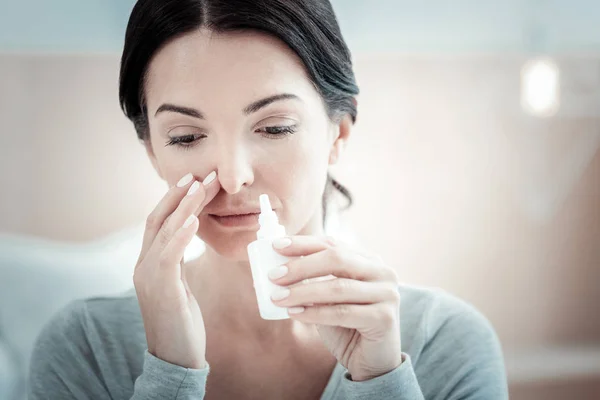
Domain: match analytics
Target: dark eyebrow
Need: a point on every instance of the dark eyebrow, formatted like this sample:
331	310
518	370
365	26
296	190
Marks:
192	112
252	108
257	105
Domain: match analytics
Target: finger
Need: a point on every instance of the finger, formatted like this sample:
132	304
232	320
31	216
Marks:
191	204
302	245
172	254
212	187
373	319
165	208
339	290
335	261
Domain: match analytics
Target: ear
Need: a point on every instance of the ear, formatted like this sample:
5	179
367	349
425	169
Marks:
341	135
152	157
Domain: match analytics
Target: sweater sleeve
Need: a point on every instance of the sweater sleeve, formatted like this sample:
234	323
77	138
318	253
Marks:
63	366
163	380
398	384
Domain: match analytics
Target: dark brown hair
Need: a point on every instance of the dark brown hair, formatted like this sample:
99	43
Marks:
308	27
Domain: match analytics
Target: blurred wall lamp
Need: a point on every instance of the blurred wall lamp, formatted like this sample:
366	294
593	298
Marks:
540	87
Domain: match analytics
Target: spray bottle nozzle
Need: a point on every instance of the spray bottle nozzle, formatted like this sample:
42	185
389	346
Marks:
269	224
265	204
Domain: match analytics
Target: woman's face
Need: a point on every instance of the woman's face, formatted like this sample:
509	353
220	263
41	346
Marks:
207	89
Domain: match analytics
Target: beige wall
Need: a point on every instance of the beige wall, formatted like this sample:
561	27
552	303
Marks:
454	185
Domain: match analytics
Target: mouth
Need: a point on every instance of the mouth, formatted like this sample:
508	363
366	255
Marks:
236	220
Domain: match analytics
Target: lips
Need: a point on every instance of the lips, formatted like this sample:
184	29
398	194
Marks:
232	213
236	220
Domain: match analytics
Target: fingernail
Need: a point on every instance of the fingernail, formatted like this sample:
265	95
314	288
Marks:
193	188
210	177
295	310
330	240
280	293
189	221
282	243
278	272
185	180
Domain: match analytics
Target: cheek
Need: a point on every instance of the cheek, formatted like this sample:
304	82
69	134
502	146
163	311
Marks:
297	177
299	167
174	163
171	168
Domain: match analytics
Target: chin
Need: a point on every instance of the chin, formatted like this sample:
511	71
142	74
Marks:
231	246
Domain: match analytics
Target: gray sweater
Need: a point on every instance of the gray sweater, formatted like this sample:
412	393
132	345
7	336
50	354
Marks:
95	348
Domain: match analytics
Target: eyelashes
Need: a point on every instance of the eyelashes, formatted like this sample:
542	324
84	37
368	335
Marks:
271	132
280	131
184	141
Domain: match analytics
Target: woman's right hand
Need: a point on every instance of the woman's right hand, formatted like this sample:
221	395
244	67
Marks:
172	317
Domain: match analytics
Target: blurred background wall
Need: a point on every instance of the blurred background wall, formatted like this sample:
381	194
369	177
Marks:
468	173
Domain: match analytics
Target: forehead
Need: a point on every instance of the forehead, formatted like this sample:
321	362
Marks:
244	65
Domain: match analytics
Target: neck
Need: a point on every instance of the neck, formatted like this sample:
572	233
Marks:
225	292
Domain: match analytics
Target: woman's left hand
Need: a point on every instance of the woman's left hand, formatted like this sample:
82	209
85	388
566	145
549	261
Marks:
357	313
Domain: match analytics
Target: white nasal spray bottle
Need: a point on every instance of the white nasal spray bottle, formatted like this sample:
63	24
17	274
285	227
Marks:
263	258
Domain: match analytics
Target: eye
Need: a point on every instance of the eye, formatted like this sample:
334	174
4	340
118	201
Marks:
277	132
186	141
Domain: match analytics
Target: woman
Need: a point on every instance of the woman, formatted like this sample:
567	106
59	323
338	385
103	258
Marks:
233	99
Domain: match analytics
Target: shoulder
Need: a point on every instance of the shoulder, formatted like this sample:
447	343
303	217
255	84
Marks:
67	322
97	309
431	309
448	335
82	321
86	341
112	310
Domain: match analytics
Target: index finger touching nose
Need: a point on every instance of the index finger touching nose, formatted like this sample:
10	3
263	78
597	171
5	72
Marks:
170	201
211	187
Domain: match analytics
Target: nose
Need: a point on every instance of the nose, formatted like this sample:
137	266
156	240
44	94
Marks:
234	168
